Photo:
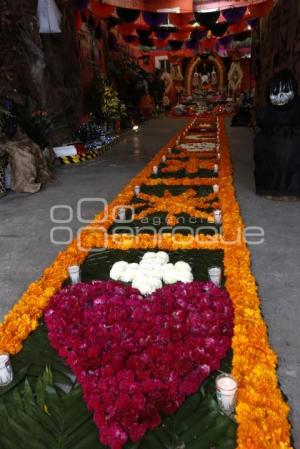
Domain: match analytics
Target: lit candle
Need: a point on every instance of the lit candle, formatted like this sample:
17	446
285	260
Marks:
216	168
74	273
215	188
122	213
226	389
6	372
155	169
218	216
169	150
137	190
163	159
215	275
218	156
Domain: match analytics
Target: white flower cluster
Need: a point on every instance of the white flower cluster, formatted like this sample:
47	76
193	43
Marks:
153	270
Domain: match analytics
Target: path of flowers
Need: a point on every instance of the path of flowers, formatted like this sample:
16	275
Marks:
261	412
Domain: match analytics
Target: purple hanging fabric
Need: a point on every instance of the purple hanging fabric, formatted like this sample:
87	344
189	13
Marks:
207	19
197	35
129	38
225	41
146	42
233	15
162	33
191	44
219	29
176	45
143	34
128	15
252	22
154	19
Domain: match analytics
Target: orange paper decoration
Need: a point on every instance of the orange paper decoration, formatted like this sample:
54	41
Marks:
181	35
180	20
161	43
238	27
101	10
261	9
126	28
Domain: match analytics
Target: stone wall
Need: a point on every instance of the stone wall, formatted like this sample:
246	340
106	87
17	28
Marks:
44	68
277	44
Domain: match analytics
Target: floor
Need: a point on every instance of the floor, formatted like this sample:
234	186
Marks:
276	266
31	228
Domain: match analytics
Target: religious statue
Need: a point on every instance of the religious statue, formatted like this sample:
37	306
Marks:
214	80
235	77
277	145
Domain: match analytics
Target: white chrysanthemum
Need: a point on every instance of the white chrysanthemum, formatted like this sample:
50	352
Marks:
168	266
130	272
149	255
155	283
134	265
185	276
182	266
164	257
146	284
151	267
142	270
170	276
117	270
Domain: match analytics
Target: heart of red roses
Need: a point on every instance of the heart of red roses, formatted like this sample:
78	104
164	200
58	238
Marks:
137	358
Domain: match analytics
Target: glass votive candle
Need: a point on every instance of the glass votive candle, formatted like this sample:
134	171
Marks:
218	216
215	275
163	159
137	190
6	371
226	390
216	168
155	169
215	188
74	273
122	213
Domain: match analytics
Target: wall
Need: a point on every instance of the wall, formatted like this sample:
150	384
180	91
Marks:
278	44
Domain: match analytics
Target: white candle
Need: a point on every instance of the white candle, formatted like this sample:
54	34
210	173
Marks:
155	169
122	213
216	168
218	156
218	216
6	372
226	389
74	273
169	150
137	190
163	159
215	188
215	275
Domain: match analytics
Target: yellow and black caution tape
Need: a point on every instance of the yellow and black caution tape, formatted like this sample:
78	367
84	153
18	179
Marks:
93	154
76	159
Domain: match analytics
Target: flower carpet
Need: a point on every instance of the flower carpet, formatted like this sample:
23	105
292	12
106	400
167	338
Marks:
100	364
